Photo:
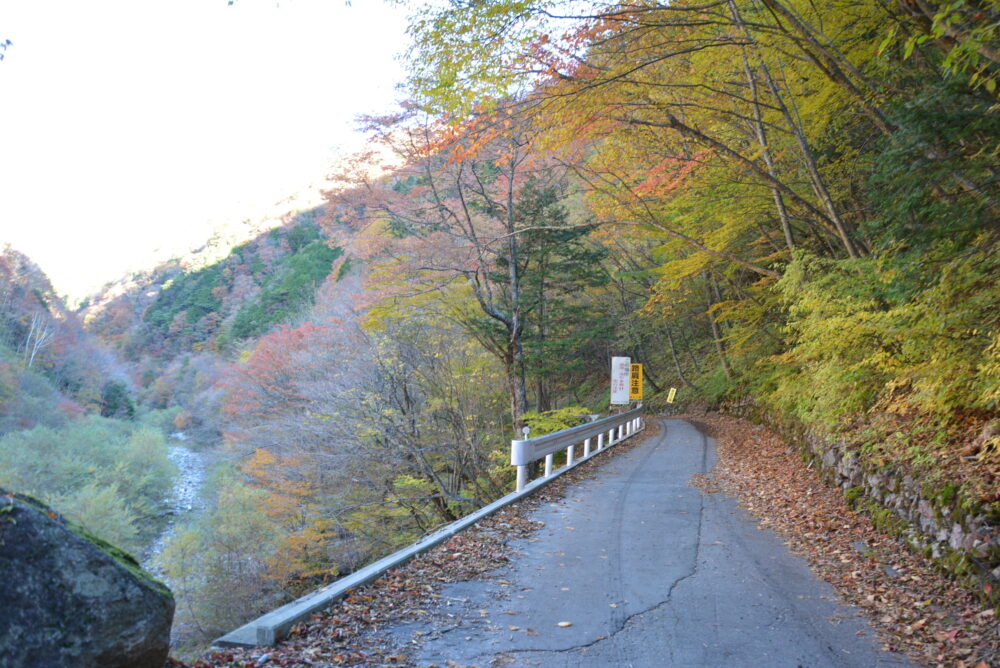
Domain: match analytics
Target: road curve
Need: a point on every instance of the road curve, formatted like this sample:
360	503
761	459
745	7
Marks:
647	571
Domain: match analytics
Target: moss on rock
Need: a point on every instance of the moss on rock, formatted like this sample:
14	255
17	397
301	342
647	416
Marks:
126	559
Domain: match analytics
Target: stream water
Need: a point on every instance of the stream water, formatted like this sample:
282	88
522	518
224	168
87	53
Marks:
185	499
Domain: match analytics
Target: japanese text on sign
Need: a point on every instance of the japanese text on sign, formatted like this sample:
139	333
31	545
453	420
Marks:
635	382
620	367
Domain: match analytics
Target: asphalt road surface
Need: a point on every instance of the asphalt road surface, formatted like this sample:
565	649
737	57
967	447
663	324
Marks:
647	571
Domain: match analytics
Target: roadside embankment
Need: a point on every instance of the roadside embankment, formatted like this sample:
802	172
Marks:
915	607
943	502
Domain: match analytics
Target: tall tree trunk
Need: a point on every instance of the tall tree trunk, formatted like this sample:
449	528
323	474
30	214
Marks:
656	387
829	61
677	363
543	401
516	331
39	336
515	391
808	159
674	123
716	334
761	134
687	345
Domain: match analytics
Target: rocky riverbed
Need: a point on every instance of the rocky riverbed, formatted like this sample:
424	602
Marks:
185	498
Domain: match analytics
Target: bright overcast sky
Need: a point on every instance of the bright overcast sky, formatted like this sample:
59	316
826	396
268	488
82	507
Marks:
131	126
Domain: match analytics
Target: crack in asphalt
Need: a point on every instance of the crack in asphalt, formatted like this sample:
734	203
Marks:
592	643
698	544
773	621
623	625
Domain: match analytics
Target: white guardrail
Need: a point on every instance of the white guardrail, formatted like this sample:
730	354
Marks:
607	431
595	436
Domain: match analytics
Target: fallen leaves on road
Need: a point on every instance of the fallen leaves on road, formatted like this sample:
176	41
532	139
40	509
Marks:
915	608
348	632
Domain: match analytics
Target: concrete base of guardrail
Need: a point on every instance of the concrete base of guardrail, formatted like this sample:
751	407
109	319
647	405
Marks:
273	626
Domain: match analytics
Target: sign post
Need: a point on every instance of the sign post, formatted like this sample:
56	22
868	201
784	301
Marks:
635	383
620	367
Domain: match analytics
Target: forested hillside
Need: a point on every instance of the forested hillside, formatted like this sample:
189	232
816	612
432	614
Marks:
86	411
70	430
199	335
780	207
181	323
776	200
771	203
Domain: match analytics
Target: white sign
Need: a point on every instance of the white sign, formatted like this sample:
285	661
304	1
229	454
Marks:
620	368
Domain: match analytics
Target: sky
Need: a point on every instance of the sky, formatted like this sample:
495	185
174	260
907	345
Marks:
128	129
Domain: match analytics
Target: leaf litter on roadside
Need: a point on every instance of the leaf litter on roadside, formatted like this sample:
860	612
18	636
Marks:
915	608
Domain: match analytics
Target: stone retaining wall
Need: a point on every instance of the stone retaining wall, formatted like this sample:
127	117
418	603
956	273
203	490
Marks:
964	542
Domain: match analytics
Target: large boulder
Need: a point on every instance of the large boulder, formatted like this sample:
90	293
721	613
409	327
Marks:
70	599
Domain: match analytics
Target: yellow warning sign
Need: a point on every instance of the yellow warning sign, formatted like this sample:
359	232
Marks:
671	394
635	382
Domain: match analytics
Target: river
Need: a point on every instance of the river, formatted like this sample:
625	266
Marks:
185	499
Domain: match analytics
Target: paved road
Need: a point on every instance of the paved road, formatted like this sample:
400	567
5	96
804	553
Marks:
649	572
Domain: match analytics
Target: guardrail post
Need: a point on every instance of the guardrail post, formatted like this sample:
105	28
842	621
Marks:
519	458
614	429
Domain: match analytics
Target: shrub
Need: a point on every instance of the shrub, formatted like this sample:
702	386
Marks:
220	567
556	420
98	470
